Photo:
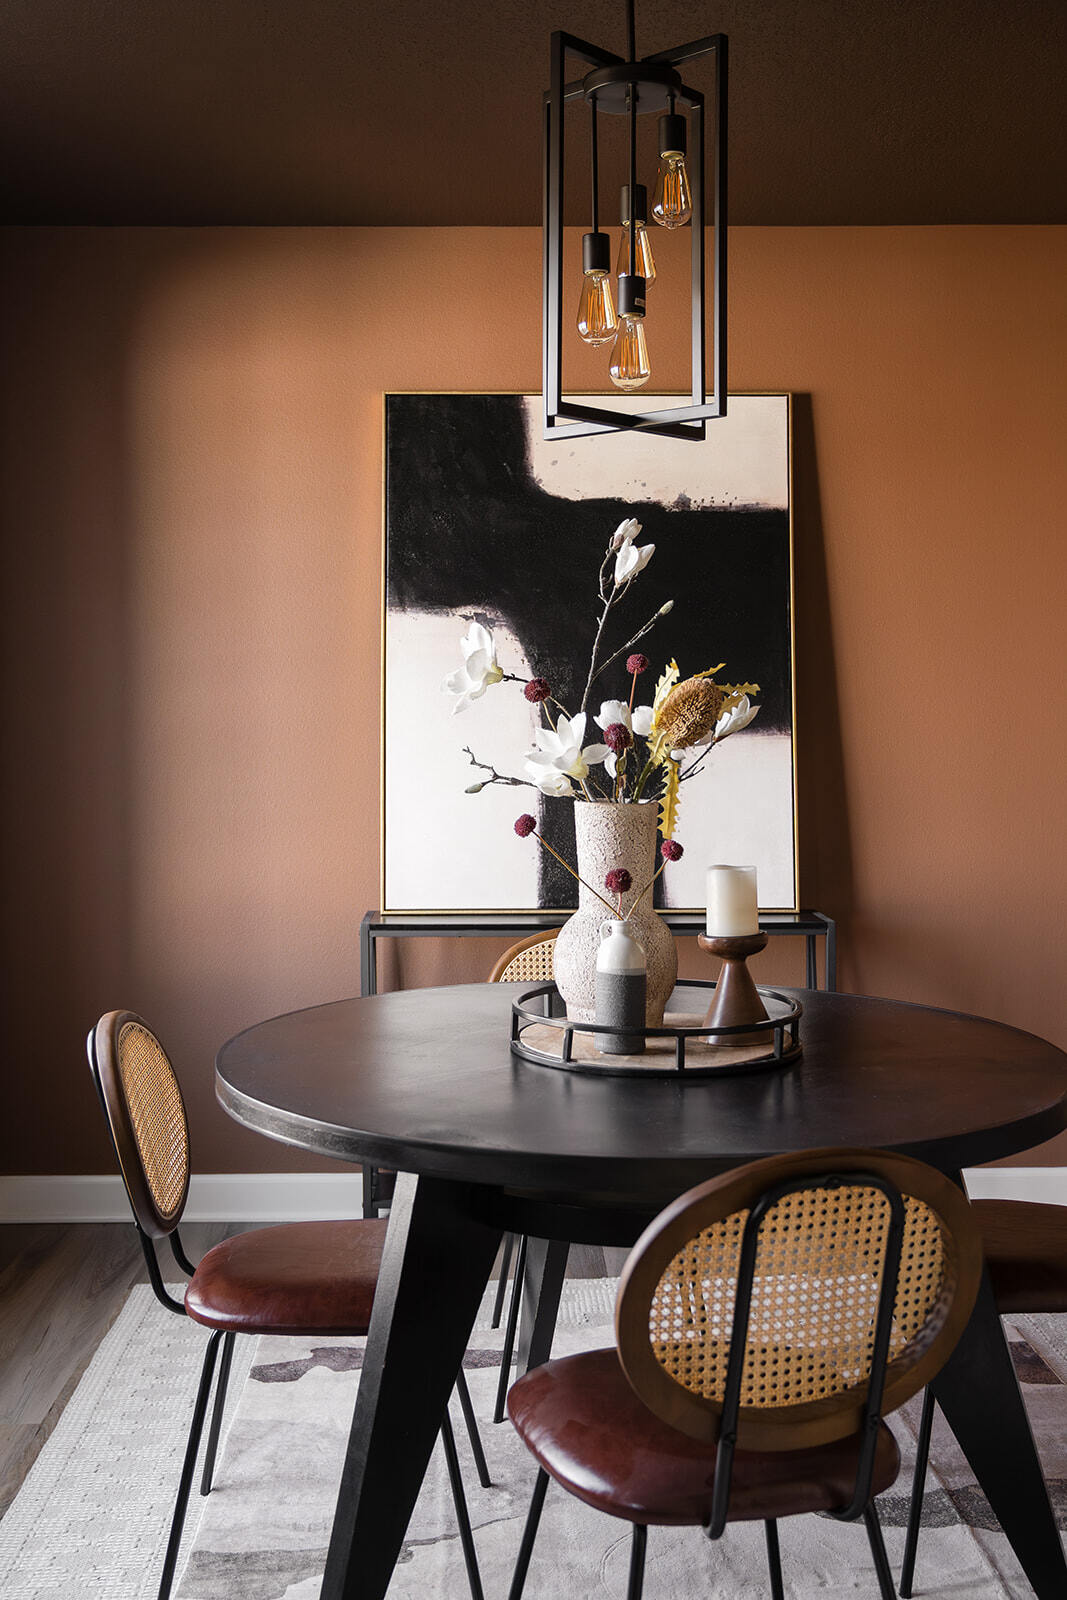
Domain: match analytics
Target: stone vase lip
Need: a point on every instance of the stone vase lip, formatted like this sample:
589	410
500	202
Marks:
651	801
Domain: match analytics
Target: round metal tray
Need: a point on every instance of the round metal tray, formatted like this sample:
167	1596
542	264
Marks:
686	1047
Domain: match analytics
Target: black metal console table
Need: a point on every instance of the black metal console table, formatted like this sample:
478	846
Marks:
811	926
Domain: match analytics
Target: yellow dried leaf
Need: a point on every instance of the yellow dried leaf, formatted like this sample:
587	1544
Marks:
667	681
668	803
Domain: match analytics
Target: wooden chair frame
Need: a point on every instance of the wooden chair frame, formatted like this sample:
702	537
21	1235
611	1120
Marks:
153	1224
757	1189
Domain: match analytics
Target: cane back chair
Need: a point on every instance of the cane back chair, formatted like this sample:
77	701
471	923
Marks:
765	1324
314	1278
1025	1247
530	960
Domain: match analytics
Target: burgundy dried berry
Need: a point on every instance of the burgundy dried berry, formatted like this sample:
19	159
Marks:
618	881
670	851
637	663
618	737
537	690
525	825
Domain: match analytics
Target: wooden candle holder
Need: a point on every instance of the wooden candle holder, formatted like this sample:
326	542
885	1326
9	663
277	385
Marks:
737	1000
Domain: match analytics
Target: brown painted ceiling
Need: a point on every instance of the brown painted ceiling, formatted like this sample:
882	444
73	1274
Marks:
313	111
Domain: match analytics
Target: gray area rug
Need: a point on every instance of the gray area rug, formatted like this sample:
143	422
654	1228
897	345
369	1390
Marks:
290	1433
92	1516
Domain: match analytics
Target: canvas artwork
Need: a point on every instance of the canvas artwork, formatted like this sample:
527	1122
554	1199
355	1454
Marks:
486	522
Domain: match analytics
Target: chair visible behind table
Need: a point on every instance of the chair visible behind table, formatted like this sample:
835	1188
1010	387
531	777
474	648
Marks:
530	960
300	1278
1025	1247
766	1322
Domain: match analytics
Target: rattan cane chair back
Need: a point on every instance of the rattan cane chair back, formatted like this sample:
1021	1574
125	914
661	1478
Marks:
528	961
816	1284
146	1115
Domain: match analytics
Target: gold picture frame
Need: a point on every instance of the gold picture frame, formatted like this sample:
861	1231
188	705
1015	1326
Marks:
470	509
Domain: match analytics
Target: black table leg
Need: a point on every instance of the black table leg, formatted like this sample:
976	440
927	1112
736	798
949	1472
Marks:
979	1394
542	1285
435	1266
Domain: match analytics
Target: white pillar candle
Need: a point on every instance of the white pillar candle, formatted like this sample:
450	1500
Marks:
732	903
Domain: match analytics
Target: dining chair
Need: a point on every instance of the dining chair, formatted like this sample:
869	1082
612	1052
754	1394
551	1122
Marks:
529	960
1025	1245
299	1278
766	1322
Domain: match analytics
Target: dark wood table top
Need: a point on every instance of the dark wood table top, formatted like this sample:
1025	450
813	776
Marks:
424	1081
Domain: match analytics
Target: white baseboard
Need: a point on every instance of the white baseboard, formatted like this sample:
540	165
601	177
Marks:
318	1196
213	1197
1045	1184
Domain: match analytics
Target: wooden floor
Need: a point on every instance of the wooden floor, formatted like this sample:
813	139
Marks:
61	1287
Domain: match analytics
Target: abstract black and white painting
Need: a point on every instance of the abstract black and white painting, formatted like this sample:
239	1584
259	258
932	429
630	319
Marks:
486	522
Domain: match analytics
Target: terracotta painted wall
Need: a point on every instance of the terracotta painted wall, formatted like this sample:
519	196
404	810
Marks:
191	495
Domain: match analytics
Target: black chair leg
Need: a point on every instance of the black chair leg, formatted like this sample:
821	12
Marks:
196	1428
529	1534
637	1562
502	1281
216	1415
472	1428
509	1333
774	1560
881	1560
466	1537
918	1489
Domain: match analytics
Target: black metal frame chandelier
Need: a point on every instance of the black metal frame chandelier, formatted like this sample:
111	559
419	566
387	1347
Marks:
634	88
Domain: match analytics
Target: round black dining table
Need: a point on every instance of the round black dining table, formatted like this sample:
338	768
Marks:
424	1081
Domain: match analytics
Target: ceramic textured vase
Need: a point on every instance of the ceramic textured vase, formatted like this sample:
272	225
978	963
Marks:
610	835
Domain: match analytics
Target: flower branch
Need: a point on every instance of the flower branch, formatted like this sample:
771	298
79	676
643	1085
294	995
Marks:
525	825
497	777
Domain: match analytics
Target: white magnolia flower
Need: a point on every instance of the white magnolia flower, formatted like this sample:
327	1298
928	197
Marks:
560	749
625	531
630	559
639	722
738	717
549	781
614	711
479	670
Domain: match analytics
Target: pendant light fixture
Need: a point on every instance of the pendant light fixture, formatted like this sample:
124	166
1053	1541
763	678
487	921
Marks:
633	88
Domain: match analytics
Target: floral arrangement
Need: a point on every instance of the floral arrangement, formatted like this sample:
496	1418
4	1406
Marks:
645	751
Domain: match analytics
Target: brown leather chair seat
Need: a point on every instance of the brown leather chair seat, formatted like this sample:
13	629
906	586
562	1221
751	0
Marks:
1026	1249
583	1422
302	1277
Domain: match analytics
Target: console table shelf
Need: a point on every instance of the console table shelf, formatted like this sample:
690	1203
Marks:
811	926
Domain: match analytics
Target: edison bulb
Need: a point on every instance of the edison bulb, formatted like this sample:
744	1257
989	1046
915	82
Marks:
673	204
597	321
645	266
629	368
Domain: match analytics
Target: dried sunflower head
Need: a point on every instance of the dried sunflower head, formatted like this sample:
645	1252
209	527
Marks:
689	713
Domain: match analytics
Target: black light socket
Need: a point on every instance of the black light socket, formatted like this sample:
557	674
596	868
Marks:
642	204
596	252
631	294
672	134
